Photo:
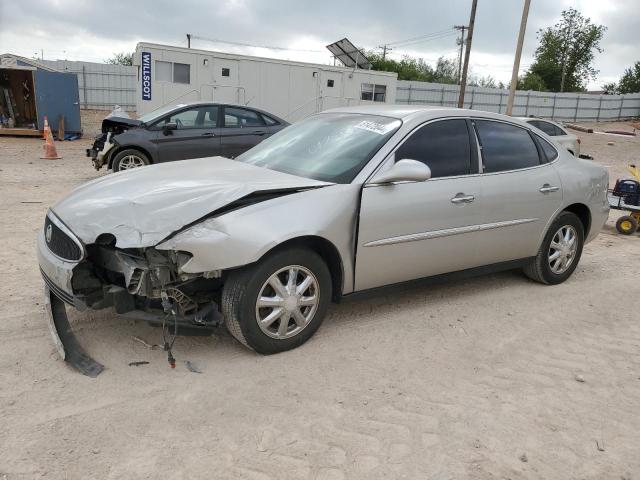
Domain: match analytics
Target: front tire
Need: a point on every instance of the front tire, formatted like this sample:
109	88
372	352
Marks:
128	159
560	251
278	303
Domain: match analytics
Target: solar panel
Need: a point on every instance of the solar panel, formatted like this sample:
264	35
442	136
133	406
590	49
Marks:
349	54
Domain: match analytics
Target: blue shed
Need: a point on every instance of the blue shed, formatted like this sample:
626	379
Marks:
29	91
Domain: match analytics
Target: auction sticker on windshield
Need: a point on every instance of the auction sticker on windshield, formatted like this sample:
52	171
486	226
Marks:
379	128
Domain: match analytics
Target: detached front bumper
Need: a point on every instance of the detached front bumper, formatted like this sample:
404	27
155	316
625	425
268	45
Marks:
57	274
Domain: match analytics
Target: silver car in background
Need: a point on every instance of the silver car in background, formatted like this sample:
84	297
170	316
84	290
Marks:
557	132
346	201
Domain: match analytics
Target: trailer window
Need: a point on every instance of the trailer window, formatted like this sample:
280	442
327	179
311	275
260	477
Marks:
375	93
181	73
173	72
163	71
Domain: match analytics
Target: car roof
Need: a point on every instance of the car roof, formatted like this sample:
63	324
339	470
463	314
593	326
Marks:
406	112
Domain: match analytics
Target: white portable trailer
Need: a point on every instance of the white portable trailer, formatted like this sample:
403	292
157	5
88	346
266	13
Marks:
291	90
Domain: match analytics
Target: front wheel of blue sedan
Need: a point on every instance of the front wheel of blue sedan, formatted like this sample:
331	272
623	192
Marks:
278	303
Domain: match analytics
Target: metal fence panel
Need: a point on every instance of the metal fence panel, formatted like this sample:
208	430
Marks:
559	106
101	86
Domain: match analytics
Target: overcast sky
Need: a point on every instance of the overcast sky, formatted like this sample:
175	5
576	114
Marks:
94	30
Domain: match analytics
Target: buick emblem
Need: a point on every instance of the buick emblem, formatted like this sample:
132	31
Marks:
47	234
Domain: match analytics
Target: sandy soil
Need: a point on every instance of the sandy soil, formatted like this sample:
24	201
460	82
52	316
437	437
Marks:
490	378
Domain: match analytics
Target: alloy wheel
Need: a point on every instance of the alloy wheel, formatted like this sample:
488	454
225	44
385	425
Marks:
287	302
562	250
130	161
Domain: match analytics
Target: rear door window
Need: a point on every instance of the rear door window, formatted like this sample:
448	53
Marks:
505	146
241	117
444	146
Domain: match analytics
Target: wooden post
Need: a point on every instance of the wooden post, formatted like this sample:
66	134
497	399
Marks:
516	61
465	68
60	128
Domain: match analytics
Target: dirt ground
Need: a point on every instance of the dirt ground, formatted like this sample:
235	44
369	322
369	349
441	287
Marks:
494	377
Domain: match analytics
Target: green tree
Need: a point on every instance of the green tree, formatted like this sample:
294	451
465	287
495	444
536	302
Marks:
610	88
564	57
531	81
120	59
487	82
410	68
446	71
630	81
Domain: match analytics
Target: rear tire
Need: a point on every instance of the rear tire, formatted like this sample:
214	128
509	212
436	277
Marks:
560	251
627	225
275	319
128	159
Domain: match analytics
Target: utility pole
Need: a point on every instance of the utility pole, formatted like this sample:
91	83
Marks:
516	60
188	40
462	28
465	68
384	51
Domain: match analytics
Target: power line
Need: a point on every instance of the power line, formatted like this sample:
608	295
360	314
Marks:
440	32
427	39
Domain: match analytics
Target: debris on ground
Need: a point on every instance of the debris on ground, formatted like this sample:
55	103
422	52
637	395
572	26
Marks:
580	128
523	458
579	378
610	143
192	367
600	446
621	132
145	343
137	364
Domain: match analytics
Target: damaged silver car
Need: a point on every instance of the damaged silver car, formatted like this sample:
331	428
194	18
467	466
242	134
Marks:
346	201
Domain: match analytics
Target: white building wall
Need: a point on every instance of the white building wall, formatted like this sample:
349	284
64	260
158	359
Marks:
291	90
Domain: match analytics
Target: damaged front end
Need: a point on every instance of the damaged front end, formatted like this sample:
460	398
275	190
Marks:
141	283
103	144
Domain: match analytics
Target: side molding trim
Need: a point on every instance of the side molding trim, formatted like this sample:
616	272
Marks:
415	237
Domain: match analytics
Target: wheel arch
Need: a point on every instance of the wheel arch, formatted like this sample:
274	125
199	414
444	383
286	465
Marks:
327	251
583	213
119	148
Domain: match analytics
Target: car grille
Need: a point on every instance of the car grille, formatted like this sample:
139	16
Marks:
60	243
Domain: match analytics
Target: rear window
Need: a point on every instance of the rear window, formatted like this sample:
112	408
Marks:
505	146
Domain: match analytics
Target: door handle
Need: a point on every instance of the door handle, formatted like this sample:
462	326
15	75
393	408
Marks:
546	188
462	198
209	134
259	132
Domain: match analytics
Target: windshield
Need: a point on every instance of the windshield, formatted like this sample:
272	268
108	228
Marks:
151	116
329	147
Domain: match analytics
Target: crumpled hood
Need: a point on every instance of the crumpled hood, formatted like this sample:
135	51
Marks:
144	205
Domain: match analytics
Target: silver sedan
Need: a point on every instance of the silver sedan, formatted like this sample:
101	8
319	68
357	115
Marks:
346	201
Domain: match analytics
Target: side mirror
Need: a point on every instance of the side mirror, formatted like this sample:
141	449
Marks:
404	171
169	126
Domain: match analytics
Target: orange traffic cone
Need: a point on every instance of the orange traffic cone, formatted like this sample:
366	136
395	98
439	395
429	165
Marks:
46	127
49	147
